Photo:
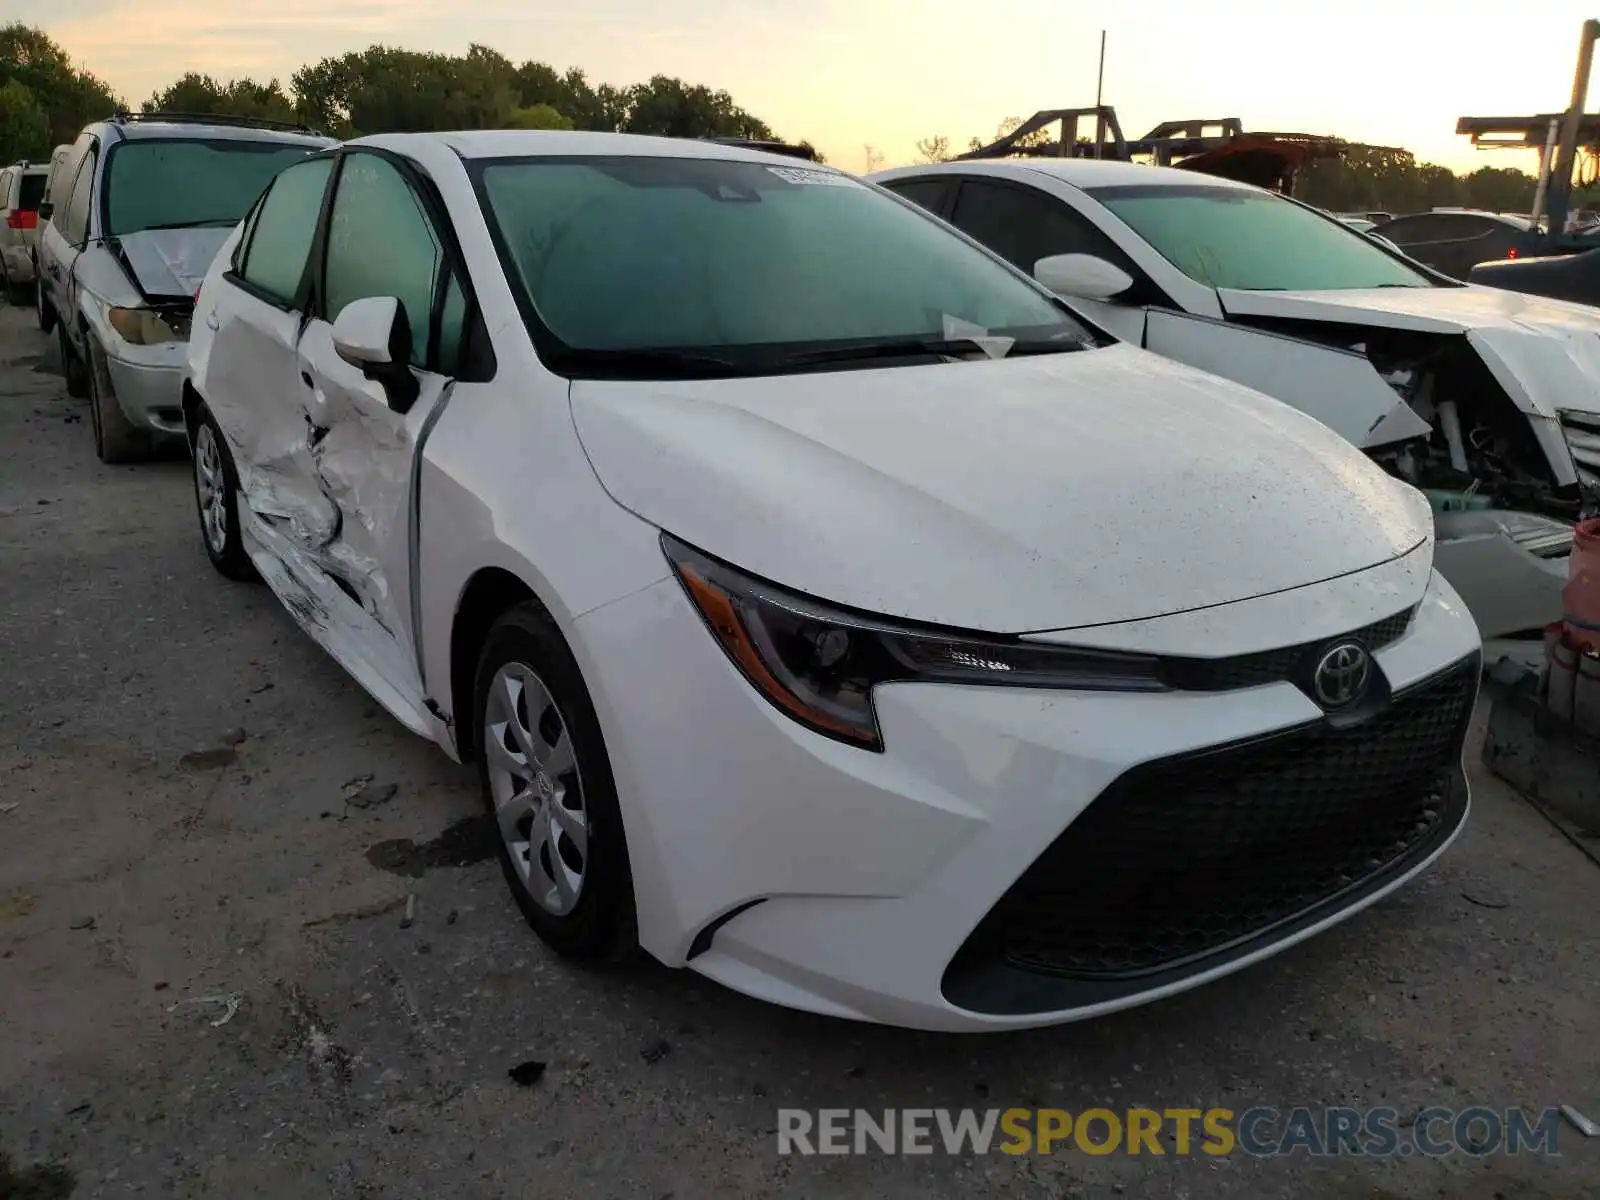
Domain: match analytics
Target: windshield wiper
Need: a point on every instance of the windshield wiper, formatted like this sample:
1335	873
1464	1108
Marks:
200	224
645	364
910	347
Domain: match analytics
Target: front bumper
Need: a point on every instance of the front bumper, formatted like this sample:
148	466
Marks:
799	870
148	384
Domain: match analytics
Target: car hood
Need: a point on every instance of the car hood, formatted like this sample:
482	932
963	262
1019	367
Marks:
170	263
1545	353
1038	493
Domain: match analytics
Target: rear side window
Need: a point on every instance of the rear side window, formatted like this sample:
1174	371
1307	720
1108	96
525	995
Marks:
32	192
1023	226
1439	227
926	193
382	243
285	224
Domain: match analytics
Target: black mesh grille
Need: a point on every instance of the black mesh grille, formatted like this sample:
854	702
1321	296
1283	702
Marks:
1270	666
1181	858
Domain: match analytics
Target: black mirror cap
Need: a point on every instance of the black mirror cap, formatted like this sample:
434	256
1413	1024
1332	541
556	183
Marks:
46	208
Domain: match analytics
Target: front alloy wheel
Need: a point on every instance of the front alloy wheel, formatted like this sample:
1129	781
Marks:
548	787
537	789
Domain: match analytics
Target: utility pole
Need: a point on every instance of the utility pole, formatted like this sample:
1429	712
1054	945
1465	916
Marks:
1560	191
1099	87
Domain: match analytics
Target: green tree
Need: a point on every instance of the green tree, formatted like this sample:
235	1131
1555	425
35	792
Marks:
669	107
24	125
384	89
201	94
934	149
537	116
68	97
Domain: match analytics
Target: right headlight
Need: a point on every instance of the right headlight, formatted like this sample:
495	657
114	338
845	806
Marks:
818	663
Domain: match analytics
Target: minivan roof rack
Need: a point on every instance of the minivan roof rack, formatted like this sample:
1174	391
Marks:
185	118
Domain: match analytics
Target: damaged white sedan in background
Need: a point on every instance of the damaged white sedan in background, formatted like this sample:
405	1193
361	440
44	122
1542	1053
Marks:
827	609
1462	391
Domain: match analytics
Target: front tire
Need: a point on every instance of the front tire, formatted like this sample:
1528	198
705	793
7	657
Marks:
547	783
116	439
216	496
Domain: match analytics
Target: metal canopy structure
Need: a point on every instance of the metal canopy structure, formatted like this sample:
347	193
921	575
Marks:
1213	146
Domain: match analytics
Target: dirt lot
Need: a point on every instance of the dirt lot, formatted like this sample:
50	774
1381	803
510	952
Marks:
174	838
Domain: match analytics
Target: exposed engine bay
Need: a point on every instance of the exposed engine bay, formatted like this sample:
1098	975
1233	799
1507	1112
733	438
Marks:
1481	452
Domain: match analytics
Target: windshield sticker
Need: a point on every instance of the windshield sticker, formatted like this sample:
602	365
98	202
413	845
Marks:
805	177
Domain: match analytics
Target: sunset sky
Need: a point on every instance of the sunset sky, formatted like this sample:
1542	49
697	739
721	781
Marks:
887	72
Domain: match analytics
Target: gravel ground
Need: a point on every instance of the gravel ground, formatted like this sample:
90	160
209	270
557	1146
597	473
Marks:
206	989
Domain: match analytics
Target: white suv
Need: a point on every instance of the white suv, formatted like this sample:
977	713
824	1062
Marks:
828	609
21	189
137	209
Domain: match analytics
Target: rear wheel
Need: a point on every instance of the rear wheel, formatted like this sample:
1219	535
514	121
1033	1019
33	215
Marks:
216	495
547	782
116	440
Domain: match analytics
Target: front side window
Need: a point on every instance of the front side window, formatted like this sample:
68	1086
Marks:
283	229
1253	241
164	183
381	242
757	264
1023	225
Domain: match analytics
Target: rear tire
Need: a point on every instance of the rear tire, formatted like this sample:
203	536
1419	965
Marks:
216	497
547	783
116	439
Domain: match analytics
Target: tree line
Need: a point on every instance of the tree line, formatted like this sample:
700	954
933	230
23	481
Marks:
45	99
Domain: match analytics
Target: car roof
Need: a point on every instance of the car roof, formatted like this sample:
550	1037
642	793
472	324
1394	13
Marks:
27	167
1086	173
136	131
528	143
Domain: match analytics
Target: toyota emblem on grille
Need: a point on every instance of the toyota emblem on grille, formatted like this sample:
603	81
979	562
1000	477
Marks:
1341	675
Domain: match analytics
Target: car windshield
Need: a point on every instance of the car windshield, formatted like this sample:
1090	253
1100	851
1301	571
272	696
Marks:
1253	241
176	183
749	266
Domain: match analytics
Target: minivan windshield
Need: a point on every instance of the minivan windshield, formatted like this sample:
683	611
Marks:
704	266
1231	238
171	183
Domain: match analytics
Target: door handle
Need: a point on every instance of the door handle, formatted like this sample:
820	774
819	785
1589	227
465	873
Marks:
212	322
305	378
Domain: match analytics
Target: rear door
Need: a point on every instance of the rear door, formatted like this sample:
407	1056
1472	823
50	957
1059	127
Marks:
252	378
387	235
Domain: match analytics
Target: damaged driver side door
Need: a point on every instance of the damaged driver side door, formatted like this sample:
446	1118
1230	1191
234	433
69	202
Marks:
383	246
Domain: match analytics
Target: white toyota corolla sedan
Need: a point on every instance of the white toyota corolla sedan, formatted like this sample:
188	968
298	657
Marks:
829	610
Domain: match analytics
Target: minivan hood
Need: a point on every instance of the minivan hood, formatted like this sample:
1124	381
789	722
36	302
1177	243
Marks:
1029	494
170	264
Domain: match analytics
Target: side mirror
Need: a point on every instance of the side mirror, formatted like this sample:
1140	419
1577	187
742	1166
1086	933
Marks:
45	209
1082	275
374	336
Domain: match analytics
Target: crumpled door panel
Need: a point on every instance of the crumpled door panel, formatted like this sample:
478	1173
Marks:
256	397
